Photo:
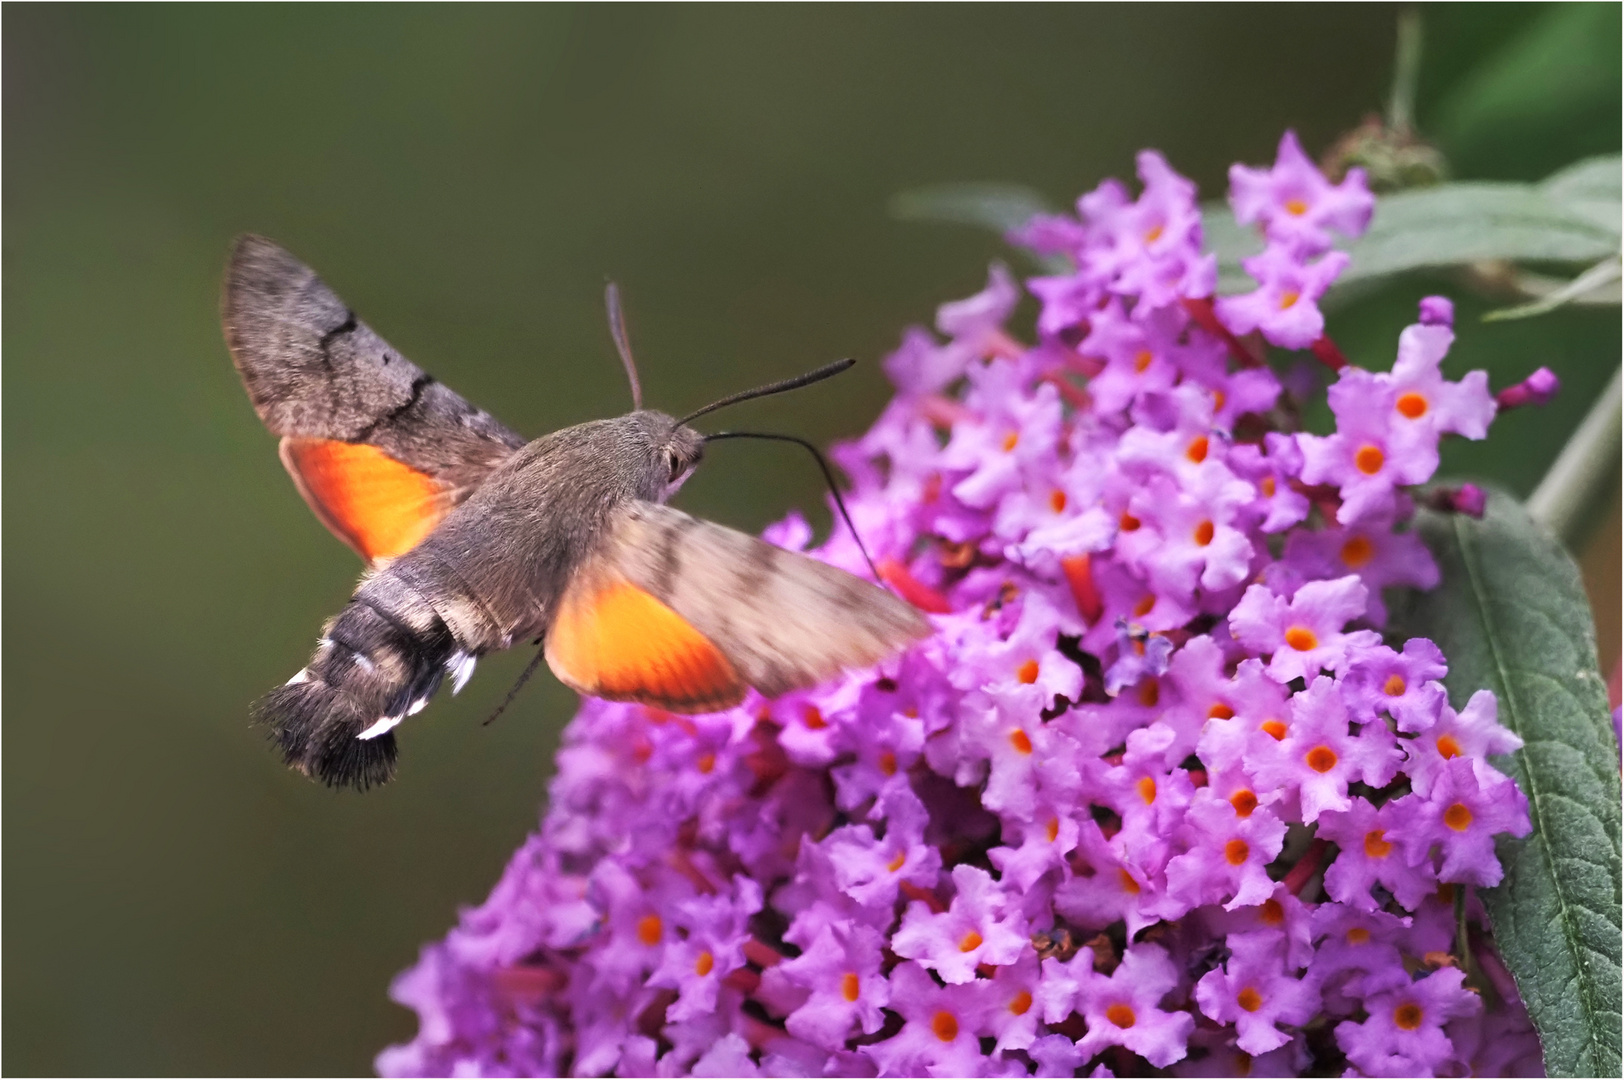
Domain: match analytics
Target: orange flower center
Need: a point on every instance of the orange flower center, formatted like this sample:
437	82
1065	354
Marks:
1267	486
1027	672
945	1025
1356	552
1321	759
1289	297
1244	801
896	862
1020	741
1276	729
1220	711
1236	852
1147	789
1197	450
1369	459
1302	638
649	929
1274	913
1377	846
1142	360
1150	692
1395	685
1127	523
703	965
849	986
1010	440
1412	405
1153	234
1458	817
1129	885
1358	935
1020	1003
1448	747
970	942
1296	207
1144	606
1121	1015
706	763
1053	829
1057	500
1407	1016
888	762
1249	999
1203	534
813	718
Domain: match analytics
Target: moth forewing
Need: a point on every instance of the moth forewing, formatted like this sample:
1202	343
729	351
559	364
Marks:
784	620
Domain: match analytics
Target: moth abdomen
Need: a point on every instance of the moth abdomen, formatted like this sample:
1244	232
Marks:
372	668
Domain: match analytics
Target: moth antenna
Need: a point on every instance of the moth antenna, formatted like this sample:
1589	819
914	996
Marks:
623	344
824	372
828	476
524	677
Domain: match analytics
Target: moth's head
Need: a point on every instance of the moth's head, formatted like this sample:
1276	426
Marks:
673	449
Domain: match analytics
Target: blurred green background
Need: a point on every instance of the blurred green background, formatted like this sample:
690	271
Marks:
174	900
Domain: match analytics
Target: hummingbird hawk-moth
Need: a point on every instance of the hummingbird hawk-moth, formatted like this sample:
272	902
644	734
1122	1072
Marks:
477	539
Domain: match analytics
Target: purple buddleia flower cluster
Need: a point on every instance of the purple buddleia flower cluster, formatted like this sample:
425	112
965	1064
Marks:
1157	795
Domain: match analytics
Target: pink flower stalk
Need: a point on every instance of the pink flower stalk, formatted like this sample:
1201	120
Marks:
1155	795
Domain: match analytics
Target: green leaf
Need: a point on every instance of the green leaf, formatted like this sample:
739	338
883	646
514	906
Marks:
1231	242
1511	616
1471	222
1586	287
1550	95
1591	189
997	206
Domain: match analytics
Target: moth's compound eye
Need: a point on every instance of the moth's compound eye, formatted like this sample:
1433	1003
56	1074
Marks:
673	464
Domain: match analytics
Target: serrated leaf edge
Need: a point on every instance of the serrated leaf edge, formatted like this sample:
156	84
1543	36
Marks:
1536	816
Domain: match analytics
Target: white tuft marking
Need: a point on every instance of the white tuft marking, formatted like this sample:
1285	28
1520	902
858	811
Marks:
302	675
417	706
461	667
364	664
384	724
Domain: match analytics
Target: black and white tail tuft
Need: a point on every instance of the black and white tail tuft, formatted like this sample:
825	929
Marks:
333	720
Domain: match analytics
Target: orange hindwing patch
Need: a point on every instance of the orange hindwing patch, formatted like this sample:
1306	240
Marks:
369	500
613	640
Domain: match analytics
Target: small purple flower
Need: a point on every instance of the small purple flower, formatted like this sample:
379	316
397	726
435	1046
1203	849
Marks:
1374	451
939	1036
713	945
1257	992
1304	634
1295	204
1318	756
1468	805
1472	733
1403	685
1424	399
1368	854
980	927
1358	952
841	975
1124	1008
1228	854
1403	1035
1285	305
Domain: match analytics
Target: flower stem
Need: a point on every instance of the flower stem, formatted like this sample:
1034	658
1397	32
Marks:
1579	477
1406	73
